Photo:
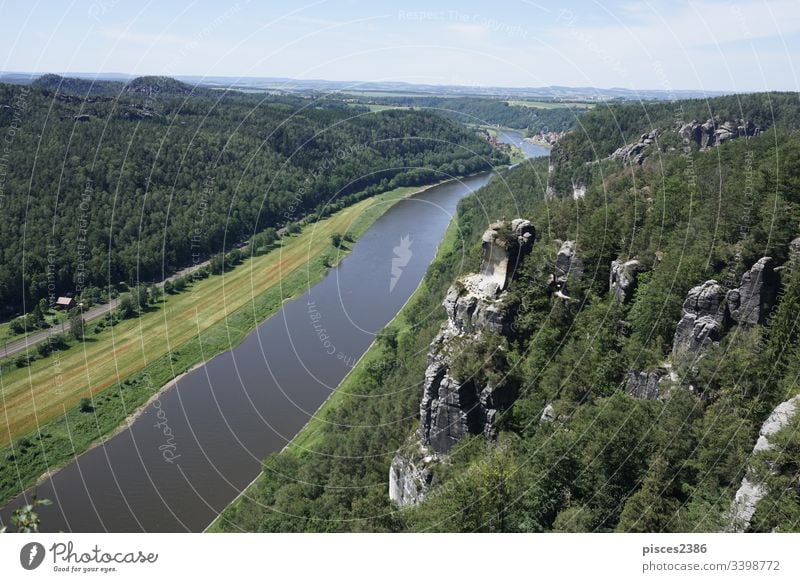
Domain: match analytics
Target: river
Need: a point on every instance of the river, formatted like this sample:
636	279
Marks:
531	150
194	449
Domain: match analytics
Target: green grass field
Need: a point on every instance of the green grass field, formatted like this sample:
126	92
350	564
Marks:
376	108
551	104
123	366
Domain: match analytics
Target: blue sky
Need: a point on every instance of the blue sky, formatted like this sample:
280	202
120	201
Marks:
741	45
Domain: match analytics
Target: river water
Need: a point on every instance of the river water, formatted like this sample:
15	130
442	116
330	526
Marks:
192	451
531	150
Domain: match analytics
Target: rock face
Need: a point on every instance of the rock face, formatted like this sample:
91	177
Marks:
622	280
548	414
410	476
709	309
703	320
643	385
451	408
634	152
714	132
568	266
794	253
751	302
752	490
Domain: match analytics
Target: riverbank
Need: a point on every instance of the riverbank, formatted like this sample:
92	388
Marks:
538	142
212	317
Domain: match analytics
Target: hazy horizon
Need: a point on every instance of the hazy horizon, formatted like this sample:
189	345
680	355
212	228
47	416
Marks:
740	46
121	75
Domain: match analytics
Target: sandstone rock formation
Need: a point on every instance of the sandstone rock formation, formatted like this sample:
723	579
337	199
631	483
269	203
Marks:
622	280
752	490
634	152
452	408
751	302
703	320
714	132
794	253
568	266
548	414
709	310
643	385
410	476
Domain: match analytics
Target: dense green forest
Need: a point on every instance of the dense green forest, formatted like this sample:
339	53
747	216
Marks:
607	461
579	157
474	110
108	182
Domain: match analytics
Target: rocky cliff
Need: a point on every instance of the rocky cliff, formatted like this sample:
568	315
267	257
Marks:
634	152
453	407
751	302
710	310
715	132
703	321
568	267
622	279
752	489
643	385
707	135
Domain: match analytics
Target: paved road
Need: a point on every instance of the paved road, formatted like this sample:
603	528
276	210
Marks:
20	345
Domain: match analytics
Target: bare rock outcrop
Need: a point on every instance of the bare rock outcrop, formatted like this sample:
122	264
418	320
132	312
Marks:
710	309
703	320
634	152
548	414
751	302
452	407
794	253
643	385
715	132
752	489
410	476
568	266
622	279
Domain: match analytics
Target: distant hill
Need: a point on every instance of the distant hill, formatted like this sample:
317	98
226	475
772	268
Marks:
287	85
153	84
77	86
547	93
147	85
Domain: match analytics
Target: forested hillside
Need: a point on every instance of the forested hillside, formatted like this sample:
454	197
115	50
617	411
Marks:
579	157
110	182
641	381
493	112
